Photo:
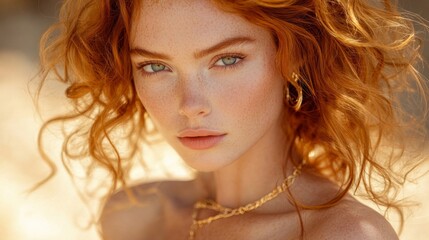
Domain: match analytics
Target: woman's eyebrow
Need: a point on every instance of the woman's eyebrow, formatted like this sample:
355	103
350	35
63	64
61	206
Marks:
223	44
146	53
199	54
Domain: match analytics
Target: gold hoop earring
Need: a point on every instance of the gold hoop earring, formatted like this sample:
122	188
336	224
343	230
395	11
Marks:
294	102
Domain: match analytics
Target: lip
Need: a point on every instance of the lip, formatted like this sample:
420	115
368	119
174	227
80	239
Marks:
199	139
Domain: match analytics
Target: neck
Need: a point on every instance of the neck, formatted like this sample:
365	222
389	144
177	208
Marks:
253	175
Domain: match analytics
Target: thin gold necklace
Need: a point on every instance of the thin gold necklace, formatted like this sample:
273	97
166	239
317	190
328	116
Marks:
225	212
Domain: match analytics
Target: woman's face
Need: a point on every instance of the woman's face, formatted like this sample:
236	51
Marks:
207	79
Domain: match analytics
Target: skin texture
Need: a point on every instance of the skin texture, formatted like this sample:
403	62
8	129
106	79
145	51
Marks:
244	101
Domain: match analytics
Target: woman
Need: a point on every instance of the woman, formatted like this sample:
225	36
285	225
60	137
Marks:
285	108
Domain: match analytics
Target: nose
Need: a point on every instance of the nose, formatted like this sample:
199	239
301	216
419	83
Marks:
194	101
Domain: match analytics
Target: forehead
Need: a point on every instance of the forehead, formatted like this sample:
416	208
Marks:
198	23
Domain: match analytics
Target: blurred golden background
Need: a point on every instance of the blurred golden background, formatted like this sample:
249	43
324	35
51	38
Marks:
55	211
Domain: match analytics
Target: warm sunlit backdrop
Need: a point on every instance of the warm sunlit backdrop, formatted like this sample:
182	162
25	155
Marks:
55	211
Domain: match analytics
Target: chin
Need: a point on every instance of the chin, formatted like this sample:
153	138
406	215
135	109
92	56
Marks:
205	164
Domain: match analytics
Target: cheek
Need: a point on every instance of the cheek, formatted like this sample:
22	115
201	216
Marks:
157	102
256	94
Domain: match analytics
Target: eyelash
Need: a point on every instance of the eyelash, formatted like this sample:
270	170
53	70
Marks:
141	65
239	56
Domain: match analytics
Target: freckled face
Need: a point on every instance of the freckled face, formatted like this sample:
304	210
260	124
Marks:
196	67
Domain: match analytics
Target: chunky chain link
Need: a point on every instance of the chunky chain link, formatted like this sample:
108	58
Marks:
225	212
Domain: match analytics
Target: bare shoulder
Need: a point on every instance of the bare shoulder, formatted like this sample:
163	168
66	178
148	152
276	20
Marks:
351	219
140	211
348	219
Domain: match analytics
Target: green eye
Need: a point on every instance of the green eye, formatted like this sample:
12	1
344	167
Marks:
154	67
229	60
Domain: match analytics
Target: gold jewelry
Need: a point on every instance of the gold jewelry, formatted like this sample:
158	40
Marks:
225	212
296	102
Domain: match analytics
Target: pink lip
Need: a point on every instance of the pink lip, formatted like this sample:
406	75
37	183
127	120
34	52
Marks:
199	139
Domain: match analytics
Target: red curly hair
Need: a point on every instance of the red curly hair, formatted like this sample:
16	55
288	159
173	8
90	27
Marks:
354	59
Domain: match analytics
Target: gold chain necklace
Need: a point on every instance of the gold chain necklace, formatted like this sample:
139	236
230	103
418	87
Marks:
229	212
